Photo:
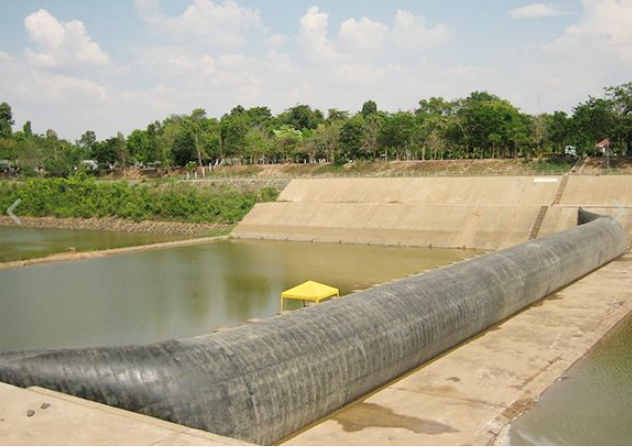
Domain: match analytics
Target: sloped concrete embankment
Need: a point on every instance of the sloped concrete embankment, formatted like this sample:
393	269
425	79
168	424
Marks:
595	194
477	212
263	382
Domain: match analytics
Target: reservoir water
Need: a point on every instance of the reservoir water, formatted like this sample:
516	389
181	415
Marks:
591	405
179	292
17	243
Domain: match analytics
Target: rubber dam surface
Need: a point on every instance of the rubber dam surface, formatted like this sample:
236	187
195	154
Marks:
268	381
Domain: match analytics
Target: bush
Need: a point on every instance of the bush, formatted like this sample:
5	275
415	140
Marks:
83	197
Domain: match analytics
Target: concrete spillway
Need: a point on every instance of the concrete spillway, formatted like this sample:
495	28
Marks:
449	212
262	382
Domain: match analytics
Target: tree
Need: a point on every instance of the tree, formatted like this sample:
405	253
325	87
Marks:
88	142
372	127
326	139
197	119
399	133
491	126
288	139
258	146
233	130
28	131
369	108
184	150
621	99
593	121
138	146
558	130
301	117
435	106
352	139
6	120
337	115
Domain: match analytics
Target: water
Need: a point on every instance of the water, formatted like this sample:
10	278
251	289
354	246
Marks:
161	294
18	243
592	405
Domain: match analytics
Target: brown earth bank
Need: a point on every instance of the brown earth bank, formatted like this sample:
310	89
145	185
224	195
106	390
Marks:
274	174
241	185
113	224
393	168
600	165
84	255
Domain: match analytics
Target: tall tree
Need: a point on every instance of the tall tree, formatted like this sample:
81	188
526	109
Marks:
352	139
28	131
369	108
301	117
6	120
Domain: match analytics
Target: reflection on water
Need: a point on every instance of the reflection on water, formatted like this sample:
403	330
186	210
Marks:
592	405
18	243
161	294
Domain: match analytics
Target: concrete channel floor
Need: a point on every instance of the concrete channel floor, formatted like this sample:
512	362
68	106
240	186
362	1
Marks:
37	416
471	394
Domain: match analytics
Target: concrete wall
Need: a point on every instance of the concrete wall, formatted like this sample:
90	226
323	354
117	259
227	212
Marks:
262	382
595	194
476	212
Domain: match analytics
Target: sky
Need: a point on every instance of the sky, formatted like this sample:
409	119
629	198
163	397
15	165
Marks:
116	65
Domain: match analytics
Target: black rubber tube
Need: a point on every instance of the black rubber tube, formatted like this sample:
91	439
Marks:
262	382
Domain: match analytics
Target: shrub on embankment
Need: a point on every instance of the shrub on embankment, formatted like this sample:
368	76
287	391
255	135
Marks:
84	197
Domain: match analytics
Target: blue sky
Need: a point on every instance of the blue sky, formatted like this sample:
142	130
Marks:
118	64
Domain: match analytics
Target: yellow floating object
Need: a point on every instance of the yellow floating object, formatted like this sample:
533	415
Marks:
309	291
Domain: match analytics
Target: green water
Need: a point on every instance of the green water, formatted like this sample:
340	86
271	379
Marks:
592	405
17	243
161	294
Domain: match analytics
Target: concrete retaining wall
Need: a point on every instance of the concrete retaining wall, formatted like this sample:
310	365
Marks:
262	382
476	212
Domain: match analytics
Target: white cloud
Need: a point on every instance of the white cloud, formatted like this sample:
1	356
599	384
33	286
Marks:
276	41
362	36
223	24
604	28
536	11
365	39
61	44
410	31
313	36
174	61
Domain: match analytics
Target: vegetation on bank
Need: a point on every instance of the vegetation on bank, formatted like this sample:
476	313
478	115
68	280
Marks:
83	197
480	126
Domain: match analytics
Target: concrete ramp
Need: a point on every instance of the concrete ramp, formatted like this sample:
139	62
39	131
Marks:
479	212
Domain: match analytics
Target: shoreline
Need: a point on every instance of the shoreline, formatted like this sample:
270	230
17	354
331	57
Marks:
119	225
86	255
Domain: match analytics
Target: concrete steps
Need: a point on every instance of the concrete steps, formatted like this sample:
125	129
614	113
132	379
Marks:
535	230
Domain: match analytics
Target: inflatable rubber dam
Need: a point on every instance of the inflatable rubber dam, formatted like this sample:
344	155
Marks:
263	382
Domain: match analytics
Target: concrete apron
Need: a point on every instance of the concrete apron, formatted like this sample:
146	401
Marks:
36	416
470	395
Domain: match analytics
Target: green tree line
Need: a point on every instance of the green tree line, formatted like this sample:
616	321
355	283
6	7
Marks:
481	125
